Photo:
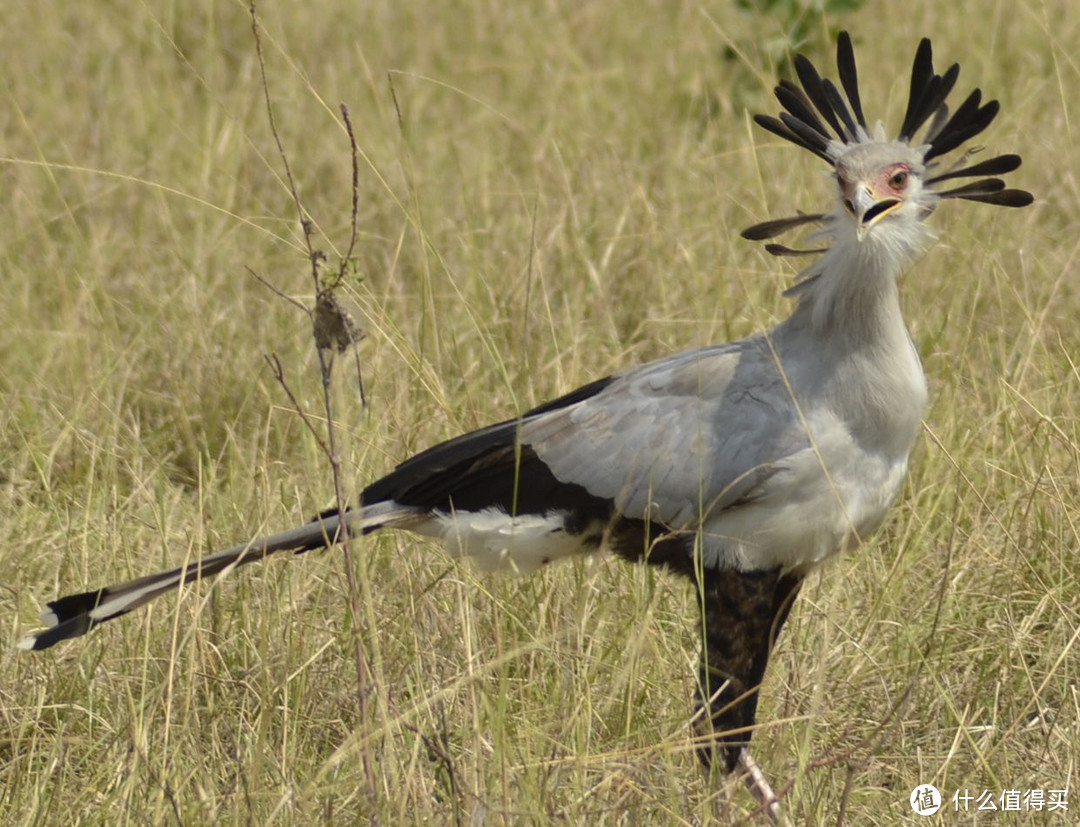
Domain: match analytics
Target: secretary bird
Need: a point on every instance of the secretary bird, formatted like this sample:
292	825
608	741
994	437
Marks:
741	466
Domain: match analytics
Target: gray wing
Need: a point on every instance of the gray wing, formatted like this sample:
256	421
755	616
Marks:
677	439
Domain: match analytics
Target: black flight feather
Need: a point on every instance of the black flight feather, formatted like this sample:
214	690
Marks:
426	477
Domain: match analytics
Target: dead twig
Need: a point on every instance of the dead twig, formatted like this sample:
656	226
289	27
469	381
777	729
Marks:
277	292
354	223
333	330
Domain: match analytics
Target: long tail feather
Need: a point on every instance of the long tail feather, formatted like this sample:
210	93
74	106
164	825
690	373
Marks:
76	614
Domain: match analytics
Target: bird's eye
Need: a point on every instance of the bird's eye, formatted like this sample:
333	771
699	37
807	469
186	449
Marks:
898	179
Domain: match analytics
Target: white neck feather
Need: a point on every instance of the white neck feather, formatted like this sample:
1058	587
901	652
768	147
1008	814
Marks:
852	289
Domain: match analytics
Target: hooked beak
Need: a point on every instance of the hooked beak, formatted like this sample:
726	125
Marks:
865	208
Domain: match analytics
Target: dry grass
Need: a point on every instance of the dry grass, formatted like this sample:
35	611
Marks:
561	196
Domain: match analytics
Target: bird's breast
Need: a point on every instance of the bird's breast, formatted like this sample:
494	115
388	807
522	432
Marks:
826	499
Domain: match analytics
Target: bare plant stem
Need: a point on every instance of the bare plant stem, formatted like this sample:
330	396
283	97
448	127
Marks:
354	224
326	365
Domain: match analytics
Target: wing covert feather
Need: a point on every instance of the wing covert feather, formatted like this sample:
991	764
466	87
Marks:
725	407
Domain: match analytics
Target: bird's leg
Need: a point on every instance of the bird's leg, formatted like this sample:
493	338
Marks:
742	616
760	788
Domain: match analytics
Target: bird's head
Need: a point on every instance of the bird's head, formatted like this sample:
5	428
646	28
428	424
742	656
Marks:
880	183
886	188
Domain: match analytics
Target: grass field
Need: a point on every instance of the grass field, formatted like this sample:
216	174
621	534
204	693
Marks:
548	192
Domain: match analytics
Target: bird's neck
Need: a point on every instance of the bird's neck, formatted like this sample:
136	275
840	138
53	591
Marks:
854	293
865	368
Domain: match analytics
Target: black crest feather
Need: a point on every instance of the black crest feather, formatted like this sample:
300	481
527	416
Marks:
970	119
816	115
778	128
811	83
773	228
922	75
849	77
836	100
810	112
999	165
781	251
